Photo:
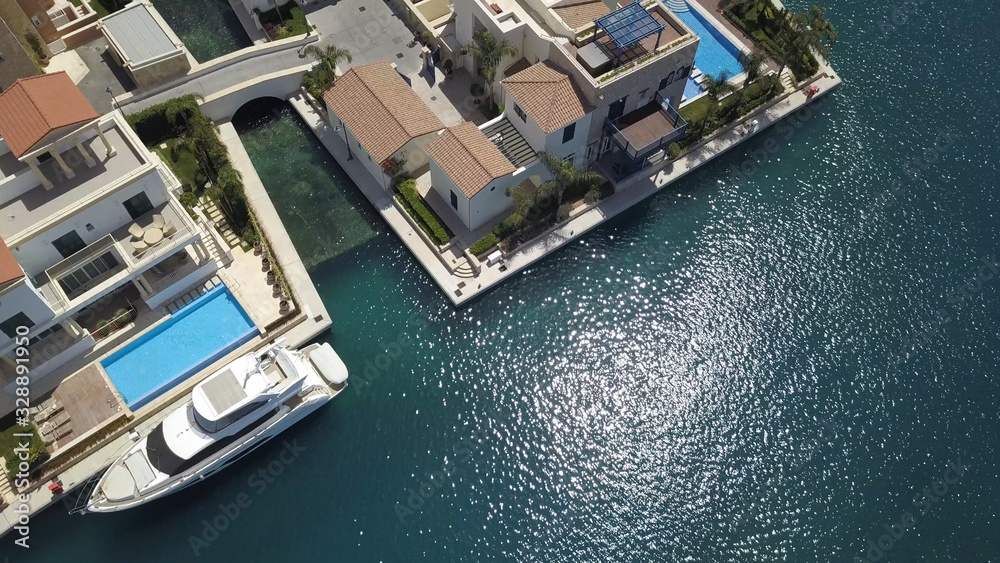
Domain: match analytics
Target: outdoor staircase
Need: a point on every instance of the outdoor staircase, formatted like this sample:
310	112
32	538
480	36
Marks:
214	251
464	270
7	494
193	294
677	6
215	215
788	80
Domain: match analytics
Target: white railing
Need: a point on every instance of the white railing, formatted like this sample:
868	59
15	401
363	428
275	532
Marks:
114	325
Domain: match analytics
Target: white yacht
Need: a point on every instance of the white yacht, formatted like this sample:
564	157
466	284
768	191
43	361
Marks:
231	413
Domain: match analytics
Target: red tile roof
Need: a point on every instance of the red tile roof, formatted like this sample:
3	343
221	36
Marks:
380	109
34	107
470	159
548	95
10	270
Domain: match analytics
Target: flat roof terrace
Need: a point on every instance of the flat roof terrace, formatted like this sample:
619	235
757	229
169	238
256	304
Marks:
35	205
604	48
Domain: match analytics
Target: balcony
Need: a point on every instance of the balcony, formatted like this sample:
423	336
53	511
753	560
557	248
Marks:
114	257
645	132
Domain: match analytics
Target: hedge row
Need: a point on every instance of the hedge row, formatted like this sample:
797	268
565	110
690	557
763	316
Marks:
483	244
426	218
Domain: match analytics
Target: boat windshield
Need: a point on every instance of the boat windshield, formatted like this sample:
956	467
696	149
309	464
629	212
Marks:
213	426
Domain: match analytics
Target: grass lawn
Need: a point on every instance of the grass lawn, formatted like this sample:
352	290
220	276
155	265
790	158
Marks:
697	109
36	448
185	167
98	6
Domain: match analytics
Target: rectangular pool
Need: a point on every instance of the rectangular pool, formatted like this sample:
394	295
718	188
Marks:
196	335
715	52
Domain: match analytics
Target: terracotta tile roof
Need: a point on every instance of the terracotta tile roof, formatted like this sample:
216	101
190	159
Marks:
33	107
578	13
518	66
380	109
548	95
10	270
470	159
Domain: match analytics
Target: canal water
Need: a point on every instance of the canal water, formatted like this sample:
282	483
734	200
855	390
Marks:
783	359
208	28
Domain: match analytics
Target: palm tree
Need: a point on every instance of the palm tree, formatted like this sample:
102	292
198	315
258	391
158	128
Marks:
718	86
752	62
806	32
488	52
566	176
329	57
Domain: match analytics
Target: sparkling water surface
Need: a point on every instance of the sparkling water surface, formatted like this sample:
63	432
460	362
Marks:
766	362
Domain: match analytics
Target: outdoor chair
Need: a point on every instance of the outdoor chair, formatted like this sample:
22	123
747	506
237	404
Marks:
139	246
158	221
169	229
136	231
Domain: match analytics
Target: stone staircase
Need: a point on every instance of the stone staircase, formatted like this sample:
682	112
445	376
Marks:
464	270
7	494
215	215
788	80
192	294
677	6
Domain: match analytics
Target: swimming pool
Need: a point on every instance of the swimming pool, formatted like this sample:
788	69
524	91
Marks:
715	52
197	334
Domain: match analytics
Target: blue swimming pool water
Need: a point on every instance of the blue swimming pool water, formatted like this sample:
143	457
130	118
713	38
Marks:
196	335
715	53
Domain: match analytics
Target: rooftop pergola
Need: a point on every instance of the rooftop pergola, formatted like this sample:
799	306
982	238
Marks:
627	26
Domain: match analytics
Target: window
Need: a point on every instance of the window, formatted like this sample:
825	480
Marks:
570	157
454	200
683	72
520	113
568	132
643	93
591	148
36	21
667	81
617	108
138	205
69	244
79	280
9	327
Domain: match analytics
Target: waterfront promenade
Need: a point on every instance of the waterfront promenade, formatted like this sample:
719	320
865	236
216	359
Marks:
630	191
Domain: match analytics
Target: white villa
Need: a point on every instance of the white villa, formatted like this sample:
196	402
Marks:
92	234
594	82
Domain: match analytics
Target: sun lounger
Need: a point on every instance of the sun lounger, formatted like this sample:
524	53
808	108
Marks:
136	231
158	221
55	422
60	432
48	413
47	403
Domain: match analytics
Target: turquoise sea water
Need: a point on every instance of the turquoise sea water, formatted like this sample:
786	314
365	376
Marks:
764	365
196	335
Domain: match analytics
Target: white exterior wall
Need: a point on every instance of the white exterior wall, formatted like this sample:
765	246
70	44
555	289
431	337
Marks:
443	185
492	200
23	298
551	143
109	214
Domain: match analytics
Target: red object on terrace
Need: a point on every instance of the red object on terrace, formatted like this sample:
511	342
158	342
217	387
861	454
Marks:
56	488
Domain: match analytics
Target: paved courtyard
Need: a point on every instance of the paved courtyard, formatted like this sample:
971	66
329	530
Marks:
368	29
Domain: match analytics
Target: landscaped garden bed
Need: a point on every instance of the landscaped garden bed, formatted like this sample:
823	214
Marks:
429	221
284	21
37	454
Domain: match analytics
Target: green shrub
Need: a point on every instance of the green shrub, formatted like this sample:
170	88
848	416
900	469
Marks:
563	213
483	244
673	151
508	225
426	218
592	196
189	199
289	23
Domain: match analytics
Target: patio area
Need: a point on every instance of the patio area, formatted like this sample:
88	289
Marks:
449	97
86	400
